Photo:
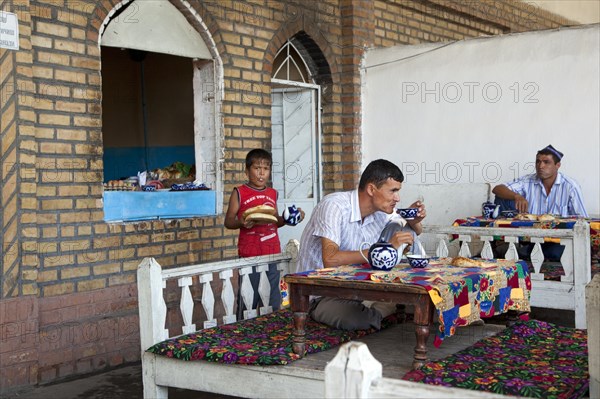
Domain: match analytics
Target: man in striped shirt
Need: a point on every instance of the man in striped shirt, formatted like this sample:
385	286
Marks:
547	191
341	229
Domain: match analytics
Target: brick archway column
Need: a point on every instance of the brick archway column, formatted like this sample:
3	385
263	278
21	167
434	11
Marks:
358	33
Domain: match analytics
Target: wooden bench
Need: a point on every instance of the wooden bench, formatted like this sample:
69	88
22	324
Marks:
160	372
304	378
568	293
355	373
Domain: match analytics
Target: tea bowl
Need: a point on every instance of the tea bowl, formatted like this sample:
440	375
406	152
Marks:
509	213
408	213
417	261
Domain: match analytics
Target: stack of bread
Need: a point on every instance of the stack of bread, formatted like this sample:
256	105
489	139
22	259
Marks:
262	214
462	262
539	218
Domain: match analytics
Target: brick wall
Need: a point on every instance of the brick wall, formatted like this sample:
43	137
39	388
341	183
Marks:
48	338
17	159
73	275
19	342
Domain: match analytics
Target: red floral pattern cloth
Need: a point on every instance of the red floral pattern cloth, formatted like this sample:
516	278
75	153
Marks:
533	359
264	340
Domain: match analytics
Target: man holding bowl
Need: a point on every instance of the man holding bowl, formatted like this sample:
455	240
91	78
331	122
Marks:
340	224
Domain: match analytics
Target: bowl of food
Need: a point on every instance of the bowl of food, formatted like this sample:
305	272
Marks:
417	261
408	213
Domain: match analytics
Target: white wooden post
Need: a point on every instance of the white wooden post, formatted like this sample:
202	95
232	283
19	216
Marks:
227	296
592	293
537	258
350	373
186	305
208	300
151	390
442	248
486	251
465	251
264	289
582	273
152	307
511	252
566	260
152	313
291	249
247	292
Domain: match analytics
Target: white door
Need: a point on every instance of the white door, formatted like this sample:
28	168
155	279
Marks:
295	149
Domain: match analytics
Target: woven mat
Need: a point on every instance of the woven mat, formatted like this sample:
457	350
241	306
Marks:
265	340
533	359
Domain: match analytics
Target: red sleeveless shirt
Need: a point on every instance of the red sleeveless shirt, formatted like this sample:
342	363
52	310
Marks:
260	239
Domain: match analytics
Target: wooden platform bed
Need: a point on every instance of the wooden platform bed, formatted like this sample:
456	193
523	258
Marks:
306	377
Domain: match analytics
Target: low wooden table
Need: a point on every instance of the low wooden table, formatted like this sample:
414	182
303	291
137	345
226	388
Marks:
300	288
460	295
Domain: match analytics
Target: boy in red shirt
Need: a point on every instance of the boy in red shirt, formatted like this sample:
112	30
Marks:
257	239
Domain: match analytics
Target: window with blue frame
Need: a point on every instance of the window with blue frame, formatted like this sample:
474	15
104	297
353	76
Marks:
159	110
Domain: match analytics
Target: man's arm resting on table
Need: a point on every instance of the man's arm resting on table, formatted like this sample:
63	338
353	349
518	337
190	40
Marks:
506	193
333	256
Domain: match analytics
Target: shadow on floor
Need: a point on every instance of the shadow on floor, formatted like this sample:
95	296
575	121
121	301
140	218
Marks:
121	383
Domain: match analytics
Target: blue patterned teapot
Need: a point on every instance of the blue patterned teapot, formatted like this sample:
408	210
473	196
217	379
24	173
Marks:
490	210
291	215
381	256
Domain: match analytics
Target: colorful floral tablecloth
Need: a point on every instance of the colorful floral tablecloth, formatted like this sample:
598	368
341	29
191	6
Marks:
551	272
461	295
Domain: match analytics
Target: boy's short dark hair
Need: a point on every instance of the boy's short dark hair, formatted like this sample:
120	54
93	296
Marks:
377	172
256	155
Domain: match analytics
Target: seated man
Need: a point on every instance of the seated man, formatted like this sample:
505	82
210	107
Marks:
547	191
337	228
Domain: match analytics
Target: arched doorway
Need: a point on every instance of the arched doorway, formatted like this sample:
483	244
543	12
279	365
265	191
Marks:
296	133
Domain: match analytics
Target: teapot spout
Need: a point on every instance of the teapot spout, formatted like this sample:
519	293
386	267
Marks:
496	212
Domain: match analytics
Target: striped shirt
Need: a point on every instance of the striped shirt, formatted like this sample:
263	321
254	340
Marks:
565	197
337	217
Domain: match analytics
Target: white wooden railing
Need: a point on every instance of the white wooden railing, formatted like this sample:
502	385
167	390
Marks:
568	293
152	281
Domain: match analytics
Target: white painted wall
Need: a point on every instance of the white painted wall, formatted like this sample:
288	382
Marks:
477	111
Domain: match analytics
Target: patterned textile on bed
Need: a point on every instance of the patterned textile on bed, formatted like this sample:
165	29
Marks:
264	340
533	359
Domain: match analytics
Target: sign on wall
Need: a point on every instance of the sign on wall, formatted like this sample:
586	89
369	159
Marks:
9	30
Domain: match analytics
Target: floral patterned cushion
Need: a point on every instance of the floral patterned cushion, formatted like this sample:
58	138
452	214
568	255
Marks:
265	340
533	359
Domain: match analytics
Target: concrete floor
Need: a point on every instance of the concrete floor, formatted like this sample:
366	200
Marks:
122	383
126	382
